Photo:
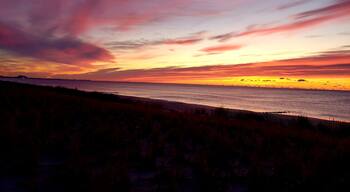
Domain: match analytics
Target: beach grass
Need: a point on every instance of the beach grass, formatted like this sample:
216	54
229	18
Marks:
58	139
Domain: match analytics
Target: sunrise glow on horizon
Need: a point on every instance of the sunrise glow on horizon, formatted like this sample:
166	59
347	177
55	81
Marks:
273	43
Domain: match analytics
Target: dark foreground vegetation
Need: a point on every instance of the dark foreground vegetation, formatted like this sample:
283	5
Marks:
56	139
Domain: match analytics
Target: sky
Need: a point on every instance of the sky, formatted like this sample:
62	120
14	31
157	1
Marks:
270	43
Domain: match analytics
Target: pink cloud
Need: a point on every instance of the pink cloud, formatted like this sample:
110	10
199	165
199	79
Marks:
73	17
182	41
297	25
138	44
301	21
292	4
340	8
221	48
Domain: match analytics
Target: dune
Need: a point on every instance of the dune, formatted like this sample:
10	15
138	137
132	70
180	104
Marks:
58	139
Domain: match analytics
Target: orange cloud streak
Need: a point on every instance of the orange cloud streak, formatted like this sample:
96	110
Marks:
221	48
326	65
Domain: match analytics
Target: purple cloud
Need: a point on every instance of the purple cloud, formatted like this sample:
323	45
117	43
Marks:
68	50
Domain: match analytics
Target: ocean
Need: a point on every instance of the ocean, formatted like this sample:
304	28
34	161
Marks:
329	105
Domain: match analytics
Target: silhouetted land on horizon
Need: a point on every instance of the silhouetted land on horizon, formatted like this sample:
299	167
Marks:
57	139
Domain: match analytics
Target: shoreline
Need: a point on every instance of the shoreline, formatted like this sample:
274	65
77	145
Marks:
190	107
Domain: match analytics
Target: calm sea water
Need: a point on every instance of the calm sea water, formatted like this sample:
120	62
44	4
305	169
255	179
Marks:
330	105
